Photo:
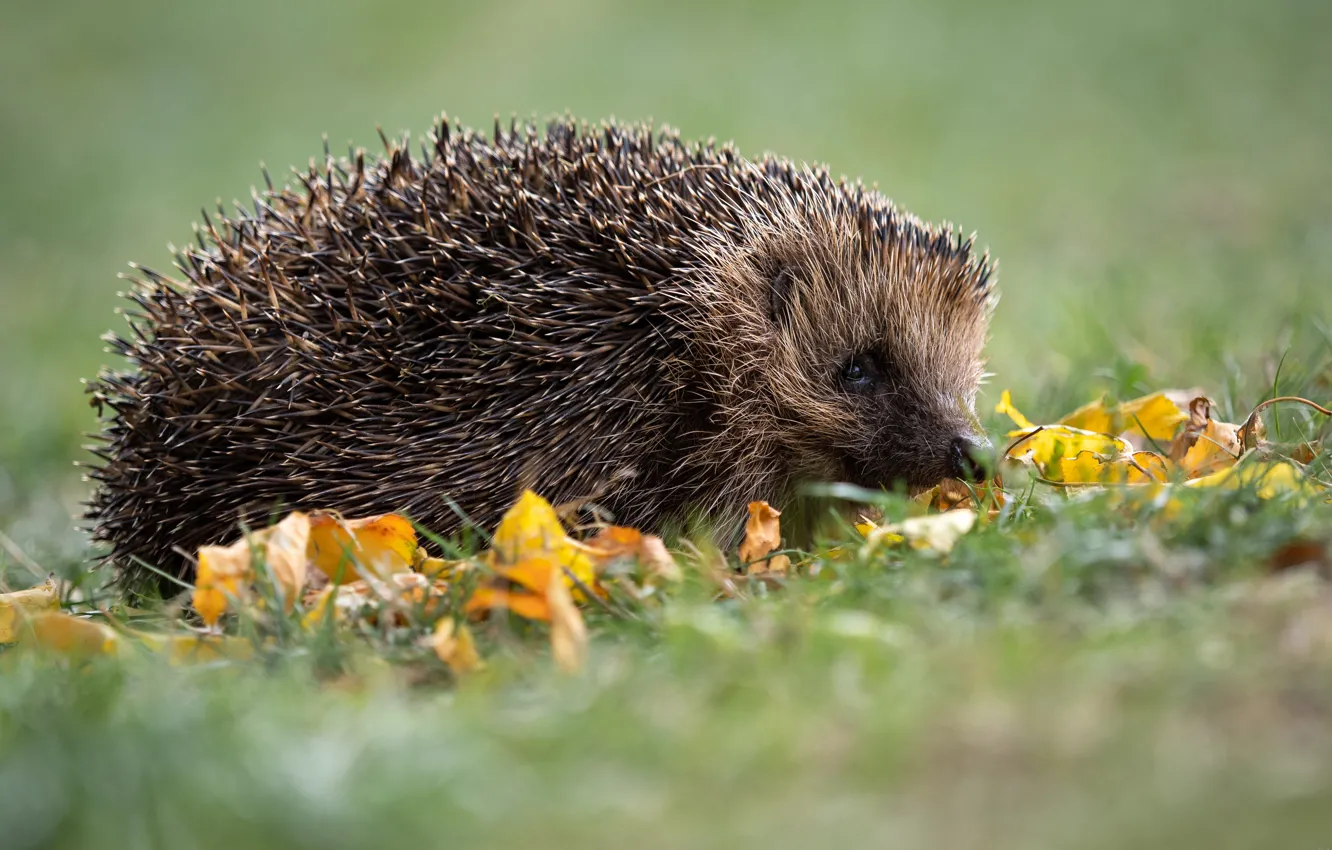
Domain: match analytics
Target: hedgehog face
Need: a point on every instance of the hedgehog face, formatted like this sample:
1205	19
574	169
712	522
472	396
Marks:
874	363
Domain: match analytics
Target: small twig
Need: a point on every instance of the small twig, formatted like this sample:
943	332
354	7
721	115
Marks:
1020	440
1305	401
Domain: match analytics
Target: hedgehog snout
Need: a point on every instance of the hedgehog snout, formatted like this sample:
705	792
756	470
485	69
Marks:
966	457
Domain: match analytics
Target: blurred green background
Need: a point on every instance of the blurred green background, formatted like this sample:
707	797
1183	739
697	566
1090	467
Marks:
1155	178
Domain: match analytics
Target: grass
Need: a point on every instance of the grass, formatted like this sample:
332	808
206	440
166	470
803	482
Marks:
1155	181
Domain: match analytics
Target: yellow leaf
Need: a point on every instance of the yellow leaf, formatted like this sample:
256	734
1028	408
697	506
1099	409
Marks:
228	571
936	532
1269	479
1005	405
224	572
763	534
568	633
69	635
379	545
1047	446
530	528
1089	468
1153	416
14	607
453	643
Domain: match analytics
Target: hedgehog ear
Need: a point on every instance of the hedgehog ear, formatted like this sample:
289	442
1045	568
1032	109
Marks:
781	296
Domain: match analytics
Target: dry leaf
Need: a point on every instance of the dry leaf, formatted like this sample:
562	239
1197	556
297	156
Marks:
1217	447
763	534
530	529
531	606
617	541
223	573
1138	468
70	635
1047	446
455	646
568	633
227	571
379	546
16	606
1154	417
399	595
1267	478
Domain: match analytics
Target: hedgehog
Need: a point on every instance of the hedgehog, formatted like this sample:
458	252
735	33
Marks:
600	312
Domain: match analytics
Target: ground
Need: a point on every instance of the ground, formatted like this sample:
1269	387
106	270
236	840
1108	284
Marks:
1155	181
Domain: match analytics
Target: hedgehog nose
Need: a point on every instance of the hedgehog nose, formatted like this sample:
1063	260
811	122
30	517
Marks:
964	458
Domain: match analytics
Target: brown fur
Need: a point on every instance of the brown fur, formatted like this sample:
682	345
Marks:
594	312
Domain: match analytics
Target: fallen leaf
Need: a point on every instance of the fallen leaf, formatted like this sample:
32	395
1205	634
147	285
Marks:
1089	468
284	550
616	541
439	568
69	635
1268	479
763	534
568	633
379	546
455	646
399	595
1046	446
223	573
226	572
19	604
937	532
1299	553
1005	405
1154	417
530	528
530	606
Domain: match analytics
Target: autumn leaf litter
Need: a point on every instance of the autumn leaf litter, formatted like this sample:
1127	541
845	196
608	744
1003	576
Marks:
538	582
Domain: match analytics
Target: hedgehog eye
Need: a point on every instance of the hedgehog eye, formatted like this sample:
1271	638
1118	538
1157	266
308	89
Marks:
856	373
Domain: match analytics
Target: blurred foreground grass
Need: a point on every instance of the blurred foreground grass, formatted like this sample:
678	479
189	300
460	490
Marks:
1157	184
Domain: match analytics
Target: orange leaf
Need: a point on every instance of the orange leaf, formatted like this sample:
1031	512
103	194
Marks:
532	573
528	605
617	541
227	571
379	546
762	535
